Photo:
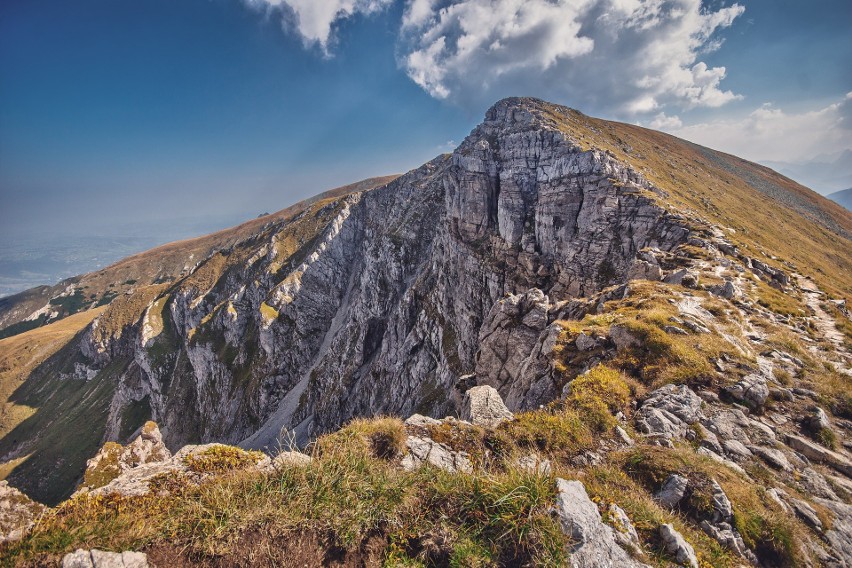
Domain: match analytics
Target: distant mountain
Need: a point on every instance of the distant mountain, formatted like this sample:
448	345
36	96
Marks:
842	197
823	174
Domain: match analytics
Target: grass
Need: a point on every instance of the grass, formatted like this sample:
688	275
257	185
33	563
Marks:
345	494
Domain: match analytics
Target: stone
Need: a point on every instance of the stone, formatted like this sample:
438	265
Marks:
593	543
815	452
736	449
722	508
291	459
667	412
672	491
625	532
677	546
423	450
773	457
101	559
585	342
483	407
818	420
806	512
727	290
421	421
813	483
535	464
752	390
675	330
839	534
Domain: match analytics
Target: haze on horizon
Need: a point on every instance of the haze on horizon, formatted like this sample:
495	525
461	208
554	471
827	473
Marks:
157	120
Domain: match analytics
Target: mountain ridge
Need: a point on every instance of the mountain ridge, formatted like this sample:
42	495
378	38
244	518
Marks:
547	244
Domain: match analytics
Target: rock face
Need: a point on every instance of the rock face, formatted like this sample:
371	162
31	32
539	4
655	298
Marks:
593	543
677	546
375	303
484	407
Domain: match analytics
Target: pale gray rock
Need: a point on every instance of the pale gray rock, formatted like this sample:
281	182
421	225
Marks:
752	390
818	453
625	532
672	491
677	546
806	512
593	543
736	449
422	450
839	535
483	406
773	457
722	508
813	483
727	290
101	559
667	412
534	463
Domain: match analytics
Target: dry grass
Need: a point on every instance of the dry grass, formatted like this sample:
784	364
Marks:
21	354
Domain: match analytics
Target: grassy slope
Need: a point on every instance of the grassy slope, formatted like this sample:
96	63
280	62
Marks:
21	354
164	263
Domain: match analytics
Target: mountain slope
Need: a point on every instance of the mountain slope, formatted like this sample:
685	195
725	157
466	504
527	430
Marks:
166	263
376	301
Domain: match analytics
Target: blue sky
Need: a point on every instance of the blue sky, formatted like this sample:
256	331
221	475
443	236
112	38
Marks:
119	111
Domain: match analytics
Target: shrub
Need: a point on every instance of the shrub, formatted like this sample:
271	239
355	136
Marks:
220	458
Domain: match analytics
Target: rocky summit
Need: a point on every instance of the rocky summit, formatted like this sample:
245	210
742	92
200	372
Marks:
569	342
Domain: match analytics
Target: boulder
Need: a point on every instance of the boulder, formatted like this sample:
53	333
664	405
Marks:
773	457
423	450
483	407
752	390
677	546
672	491
593	543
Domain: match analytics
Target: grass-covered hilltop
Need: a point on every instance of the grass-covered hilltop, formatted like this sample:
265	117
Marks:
571	342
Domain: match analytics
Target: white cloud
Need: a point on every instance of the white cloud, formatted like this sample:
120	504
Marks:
664	122
315	19
623	57
770	134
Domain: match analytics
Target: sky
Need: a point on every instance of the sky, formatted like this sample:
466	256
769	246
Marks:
120	114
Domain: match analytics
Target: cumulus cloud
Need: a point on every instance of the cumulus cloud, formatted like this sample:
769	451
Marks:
625	57
770	134
315	19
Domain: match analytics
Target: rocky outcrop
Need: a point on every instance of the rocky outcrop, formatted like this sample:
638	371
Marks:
668	412
17	513
593	543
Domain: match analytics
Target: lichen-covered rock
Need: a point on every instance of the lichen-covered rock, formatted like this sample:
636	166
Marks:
113	459
593	543
101	559
17	512
483	407
625	532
